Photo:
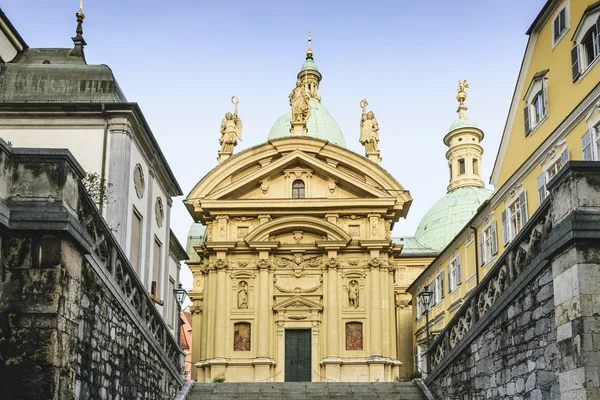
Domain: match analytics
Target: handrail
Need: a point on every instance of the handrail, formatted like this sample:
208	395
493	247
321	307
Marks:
517	256
186	389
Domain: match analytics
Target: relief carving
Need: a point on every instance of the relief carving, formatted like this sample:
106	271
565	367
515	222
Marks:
354	336
241	336
264	188
297	290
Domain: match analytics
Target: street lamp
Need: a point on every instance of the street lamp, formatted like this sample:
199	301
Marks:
180	294
425	297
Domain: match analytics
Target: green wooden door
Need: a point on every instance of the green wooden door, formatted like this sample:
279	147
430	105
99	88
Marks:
297	355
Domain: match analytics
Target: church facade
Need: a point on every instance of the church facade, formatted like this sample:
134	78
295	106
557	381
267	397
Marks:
294	277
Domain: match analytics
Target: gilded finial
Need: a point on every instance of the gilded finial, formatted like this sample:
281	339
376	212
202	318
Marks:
462	95
80	15
309	53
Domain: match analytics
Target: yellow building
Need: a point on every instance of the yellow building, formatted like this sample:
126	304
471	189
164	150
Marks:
554	117
294	274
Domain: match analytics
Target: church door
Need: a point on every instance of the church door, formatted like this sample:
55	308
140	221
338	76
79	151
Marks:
297	355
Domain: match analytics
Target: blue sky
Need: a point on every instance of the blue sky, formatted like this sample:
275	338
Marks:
182	61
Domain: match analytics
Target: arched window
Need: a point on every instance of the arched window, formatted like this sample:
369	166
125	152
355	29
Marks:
298	189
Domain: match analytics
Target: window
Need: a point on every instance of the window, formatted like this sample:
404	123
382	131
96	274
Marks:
514	217
587	44
488	244
590	144
461	166
156	268
135	244
536	105
549	173
438	288
454	274
559	25
298	189
172	303
475	167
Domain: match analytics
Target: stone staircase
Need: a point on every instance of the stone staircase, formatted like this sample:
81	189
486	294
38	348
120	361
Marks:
306	391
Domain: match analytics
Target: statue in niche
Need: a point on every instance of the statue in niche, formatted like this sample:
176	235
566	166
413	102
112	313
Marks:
353	294
243	295
299	102
369	129
231	129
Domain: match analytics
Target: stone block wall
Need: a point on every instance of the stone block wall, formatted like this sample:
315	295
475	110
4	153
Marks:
74	320
514	357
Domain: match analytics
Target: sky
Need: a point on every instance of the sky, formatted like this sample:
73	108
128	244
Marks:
182	61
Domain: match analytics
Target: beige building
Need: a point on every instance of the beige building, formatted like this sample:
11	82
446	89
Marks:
295	275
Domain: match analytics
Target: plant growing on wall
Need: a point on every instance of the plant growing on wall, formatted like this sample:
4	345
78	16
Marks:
97	188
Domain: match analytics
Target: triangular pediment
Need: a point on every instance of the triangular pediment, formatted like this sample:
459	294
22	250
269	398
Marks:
297	303
270	180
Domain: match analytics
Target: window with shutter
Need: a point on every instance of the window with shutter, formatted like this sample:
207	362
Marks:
586	146
523	209
526	117
504	228
442	284
494	239
541	183
458	271
575	69
482	242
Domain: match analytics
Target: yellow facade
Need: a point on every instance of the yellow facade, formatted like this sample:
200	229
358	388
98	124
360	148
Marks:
570	110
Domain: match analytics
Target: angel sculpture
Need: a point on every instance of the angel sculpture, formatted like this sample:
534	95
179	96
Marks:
231	129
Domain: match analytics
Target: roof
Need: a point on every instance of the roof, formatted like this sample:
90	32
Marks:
54	75
449	214
7	25
320	125
412	247
309	64
463	122
195	238
542	14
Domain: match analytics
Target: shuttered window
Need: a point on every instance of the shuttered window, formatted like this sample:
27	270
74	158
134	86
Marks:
559	25
526	117
586	146
488	244
541	184
575	69
514	217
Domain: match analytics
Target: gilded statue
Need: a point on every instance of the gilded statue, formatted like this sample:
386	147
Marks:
462	95
299	102
243	296
231	129
369	129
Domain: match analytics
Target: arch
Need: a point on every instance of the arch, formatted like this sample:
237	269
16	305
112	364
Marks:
305	223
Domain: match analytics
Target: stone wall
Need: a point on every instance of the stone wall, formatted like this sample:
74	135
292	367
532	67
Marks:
515	356
530	330
75	322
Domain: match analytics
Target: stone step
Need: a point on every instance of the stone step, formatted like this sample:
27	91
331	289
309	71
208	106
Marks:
306	391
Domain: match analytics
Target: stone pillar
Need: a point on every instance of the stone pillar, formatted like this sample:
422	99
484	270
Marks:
333	361
385	313
221	304
197	373
206	320
404	319
576	279
376	361
262	364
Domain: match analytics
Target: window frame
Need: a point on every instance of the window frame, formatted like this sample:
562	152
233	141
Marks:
557	39
580	66
454	274
561	158
489	233
298	189
538	89
438	285
508	232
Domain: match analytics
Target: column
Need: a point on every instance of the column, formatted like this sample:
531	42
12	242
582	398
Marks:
376	361
332	312
197	373
221	304
262	363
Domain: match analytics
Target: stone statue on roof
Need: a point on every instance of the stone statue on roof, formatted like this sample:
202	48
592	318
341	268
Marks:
299	102
231	131
369	129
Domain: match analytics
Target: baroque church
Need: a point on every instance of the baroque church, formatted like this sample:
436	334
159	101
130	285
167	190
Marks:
296	275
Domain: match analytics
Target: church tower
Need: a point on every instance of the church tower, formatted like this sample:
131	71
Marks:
464	153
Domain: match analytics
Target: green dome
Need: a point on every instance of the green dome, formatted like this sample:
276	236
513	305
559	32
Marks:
309	64
463	122
195	238
320	125
449	215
